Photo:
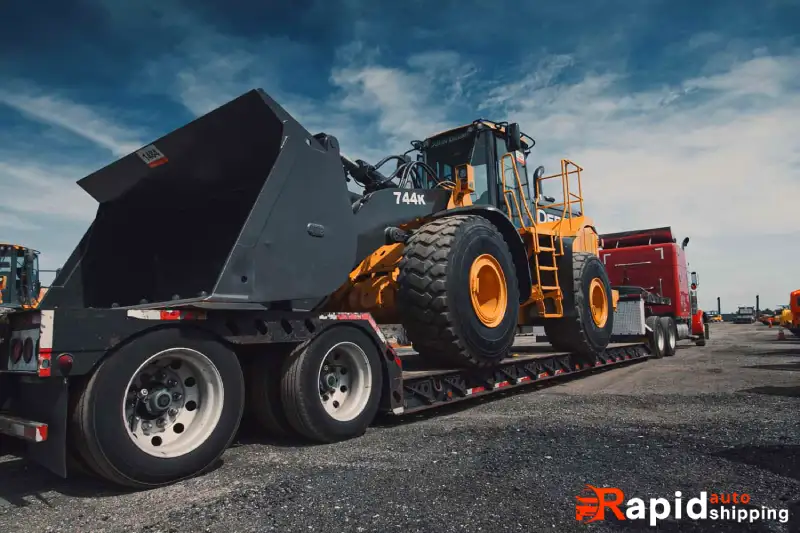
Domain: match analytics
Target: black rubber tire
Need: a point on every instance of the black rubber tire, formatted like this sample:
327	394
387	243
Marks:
300	387
264	402
656	336
579	334
433	296
98	425
671	335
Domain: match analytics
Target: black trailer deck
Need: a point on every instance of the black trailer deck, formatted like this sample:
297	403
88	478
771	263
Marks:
425	386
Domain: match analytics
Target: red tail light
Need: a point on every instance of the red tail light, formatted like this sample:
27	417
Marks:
27	350
16	351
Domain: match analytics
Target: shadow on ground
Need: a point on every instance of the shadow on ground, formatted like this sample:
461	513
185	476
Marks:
790	367
772	390
23	483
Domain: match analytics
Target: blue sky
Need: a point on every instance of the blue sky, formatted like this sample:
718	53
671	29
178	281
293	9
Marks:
681	116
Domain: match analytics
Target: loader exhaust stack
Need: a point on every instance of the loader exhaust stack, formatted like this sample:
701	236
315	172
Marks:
238	206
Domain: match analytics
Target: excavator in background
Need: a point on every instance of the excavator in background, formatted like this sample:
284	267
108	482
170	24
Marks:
20	287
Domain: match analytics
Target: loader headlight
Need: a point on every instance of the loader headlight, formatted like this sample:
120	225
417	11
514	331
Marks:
27	350
16	351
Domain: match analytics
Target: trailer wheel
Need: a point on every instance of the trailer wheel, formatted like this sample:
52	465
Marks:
589	331
264	395
331	385
656	336
161	408
670	335
458	294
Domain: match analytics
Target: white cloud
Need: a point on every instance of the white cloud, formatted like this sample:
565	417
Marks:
81	120
31	190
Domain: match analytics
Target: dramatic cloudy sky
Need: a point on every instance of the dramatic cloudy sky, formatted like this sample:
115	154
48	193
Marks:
683	113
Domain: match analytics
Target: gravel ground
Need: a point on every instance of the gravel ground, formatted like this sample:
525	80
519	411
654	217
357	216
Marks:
721	419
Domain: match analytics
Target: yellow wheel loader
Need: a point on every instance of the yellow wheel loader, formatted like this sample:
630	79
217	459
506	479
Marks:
461	252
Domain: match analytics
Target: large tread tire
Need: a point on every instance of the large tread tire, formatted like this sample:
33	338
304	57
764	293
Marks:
656	336
671	335
264	395
300	393
434	299
98	425
579	334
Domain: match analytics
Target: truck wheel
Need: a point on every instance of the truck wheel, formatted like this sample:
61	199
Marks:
589	331
331	385
458	294
264	395
656	336
670	335
162	408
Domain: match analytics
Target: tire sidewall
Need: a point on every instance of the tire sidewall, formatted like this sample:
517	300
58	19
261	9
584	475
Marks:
309	380
598	337
105	410
655	336
670	335
479	237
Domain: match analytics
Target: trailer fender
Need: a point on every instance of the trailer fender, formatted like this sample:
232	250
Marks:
511	236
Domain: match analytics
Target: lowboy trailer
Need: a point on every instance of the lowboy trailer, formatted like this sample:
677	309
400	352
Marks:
55	398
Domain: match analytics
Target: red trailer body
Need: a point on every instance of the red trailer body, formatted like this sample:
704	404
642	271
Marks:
653	260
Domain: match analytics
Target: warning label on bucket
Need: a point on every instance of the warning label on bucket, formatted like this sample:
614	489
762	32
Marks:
152	156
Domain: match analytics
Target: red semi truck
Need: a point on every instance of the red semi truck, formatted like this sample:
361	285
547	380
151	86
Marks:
653	260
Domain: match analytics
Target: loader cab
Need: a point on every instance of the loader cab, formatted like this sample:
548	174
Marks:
497	154
19	277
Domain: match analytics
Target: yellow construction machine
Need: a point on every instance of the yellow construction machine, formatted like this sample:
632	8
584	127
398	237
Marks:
473	252
20	287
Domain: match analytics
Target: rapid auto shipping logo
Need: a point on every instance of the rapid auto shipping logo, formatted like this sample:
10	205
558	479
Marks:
596	504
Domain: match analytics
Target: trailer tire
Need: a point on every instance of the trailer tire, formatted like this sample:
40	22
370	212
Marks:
264	395
445	316
670	335
656	336
304	373
585	333
107	444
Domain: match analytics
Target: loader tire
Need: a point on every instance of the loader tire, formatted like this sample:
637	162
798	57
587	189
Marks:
329	411
458	295
586	333
670	335
214	402
264	395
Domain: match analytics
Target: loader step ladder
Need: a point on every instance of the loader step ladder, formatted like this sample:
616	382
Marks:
547	246
552	292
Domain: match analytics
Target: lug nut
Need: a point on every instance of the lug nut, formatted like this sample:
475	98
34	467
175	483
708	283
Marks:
171	383
177	396
146	425
173	412
161	422
143	393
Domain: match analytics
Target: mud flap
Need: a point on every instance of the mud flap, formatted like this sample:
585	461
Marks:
45	401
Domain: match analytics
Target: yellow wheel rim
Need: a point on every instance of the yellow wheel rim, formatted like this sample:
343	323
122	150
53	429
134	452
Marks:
598	302
487	289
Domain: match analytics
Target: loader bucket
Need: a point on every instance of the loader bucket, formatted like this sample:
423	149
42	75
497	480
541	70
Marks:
242	205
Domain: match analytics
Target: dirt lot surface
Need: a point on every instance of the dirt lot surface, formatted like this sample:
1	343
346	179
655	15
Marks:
723	418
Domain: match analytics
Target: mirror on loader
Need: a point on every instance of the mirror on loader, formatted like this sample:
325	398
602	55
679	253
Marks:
694	280
513	137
